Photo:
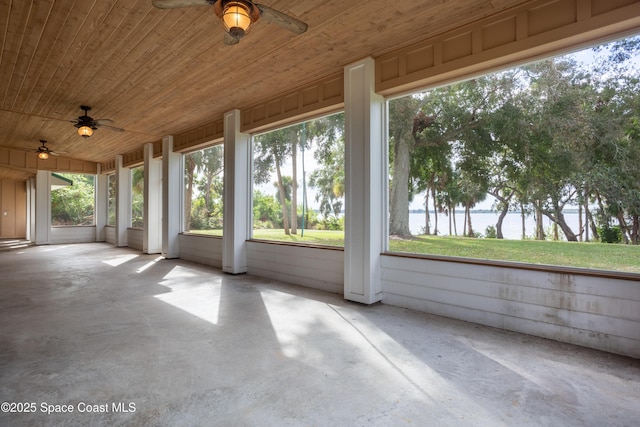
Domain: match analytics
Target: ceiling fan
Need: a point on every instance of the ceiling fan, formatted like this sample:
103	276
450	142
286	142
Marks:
238	16
44	151
86	125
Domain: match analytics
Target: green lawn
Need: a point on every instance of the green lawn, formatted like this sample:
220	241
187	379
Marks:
598	256
315	237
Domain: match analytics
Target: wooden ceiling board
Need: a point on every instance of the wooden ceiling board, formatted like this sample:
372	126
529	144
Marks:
160	72
16	174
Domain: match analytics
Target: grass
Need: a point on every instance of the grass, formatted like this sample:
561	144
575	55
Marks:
597	256
315	237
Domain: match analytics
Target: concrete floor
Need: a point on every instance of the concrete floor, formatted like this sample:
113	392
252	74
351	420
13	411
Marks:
178	344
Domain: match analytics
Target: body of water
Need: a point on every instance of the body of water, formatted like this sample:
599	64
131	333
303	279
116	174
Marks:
511	225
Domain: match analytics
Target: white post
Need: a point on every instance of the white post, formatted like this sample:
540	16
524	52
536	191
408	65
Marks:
364	183
101	211
123	202
172	183
31	209
43	208
152	215
237	188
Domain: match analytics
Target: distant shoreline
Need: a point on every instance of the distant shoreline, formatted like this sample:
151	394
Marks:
485	211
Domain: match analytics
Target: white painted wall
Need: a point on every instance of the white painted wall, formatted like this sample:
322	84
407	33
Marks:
134	238
601	313
110	234
316	268
72	234
201	249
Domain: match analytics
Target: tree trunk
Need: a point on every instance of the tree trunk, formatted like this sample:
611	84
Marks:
539	224
586	215
580	224
283	200
294	187
592	225
523	218
435	212
464	223
635	228
427	217
623	227
207	193
501	217
559	220
191	167
504	203
455	227
470	232
399	198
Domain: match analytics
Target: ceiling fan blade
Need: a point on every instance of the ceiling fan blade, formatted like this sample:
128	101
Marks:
113	128
285	21
101	122
173	4
230	40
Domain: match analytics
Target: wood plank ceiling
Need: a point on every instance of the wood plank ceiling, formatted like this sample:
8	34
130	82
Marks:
160	72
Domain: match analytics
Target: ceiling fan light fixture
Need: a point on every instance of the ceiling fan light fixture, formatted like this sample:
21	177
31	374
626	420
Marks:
85	131
236	17
43	155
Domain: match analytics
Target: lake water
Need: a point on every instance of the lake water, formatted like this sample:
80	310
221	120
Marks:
511	225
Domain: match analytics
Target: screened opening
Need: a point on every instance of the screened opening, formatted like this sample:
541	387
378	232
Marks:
72	199
137	197
298	183
111	200
203	196
536	164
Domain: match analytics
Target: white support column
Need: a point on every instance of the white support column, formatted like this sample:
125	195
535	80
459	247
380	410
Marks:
123	202
172	202
152	215
31	209
364	182
43	208
237	188
101	211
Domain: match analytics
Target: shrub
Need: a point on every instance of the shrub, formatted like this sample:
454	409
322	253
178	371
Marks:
490	232
610	234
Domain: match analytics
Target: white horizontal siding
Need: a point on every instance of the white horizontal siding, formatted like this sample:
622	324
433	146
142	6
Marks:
73	234
201	249
316	268
134	238
595	312
110	235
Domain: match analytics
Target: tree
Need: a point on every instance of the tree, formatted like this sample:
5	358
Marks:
137	196
443	121
193	165
538	138
401	142
326	134
73	204
272	150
